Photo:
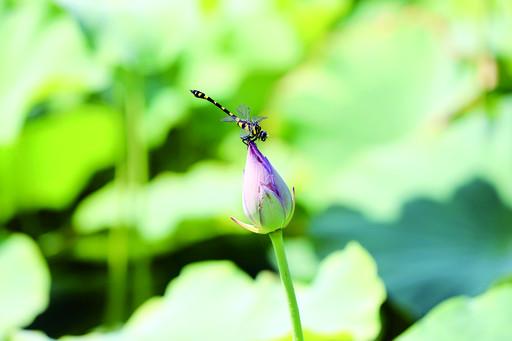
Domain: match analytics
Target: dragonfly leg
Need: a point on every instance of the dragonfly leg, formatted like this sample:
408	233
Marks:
245	139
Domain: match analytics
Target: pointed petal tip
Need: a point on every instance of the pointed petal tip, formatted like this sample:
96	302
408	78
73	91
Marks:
246	226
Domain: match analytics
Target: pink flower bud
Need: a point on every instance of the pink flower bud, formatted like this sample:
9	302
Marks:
267	201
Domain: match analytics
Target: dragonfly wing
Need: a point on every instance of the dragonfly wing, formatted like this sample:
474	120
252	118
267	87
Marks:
228	119
244	112
259	119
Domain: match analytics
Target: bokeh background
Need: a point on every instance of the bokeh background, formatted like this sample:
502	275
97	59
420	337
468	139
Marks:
392	119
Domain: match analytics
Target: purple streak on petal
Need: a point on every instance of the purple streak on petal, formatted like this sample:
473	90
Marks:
263	161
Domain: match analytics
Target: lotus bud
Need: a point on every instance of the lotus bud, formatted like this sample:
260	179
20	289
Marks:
266	199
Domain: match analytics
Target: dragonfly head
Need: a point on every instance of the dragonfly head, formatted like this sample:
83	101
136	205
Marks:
263	135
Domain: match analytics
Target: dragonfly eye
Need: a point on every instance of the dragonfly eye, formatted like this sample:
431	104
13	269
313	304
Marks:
263	135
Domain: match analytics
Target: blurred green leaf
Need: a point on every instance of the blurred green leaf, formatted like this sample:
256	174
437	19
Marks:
237	39
208	69
383	79
264	40
497	158
435	250
302	259
216	301
34	66
313	19
500	23
484	318
95	336
475	27
424	164
374	82
345	296
56	155
7	187
208	190
164	111
24	284
145	35
28	335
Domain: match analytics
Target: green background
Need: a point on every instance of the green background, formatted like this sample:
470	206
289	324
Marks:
392	120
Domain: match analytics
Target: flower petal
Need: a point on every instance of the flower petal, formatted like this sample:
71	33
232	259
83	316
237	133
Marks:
272	215
246	226
267	200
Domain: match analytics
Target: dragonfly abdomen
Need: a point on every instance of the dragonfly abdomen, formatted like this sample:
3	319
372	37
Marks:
202	95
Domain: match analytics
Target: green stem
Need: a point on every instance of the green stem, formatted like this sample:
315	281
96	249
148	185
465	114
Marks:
137	177
118	267
277	242
131	175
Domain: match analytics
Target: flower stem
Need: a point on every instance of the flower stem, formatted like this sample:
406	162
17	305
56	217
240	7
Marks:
117	271
136	178
131	175
277	242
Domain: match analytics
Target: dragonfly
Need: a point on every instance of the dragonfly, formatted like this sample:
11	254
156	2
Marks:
251	126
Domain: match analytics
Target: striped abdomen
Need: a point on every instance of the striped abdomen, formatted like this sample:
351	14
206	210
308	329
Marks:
202	95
